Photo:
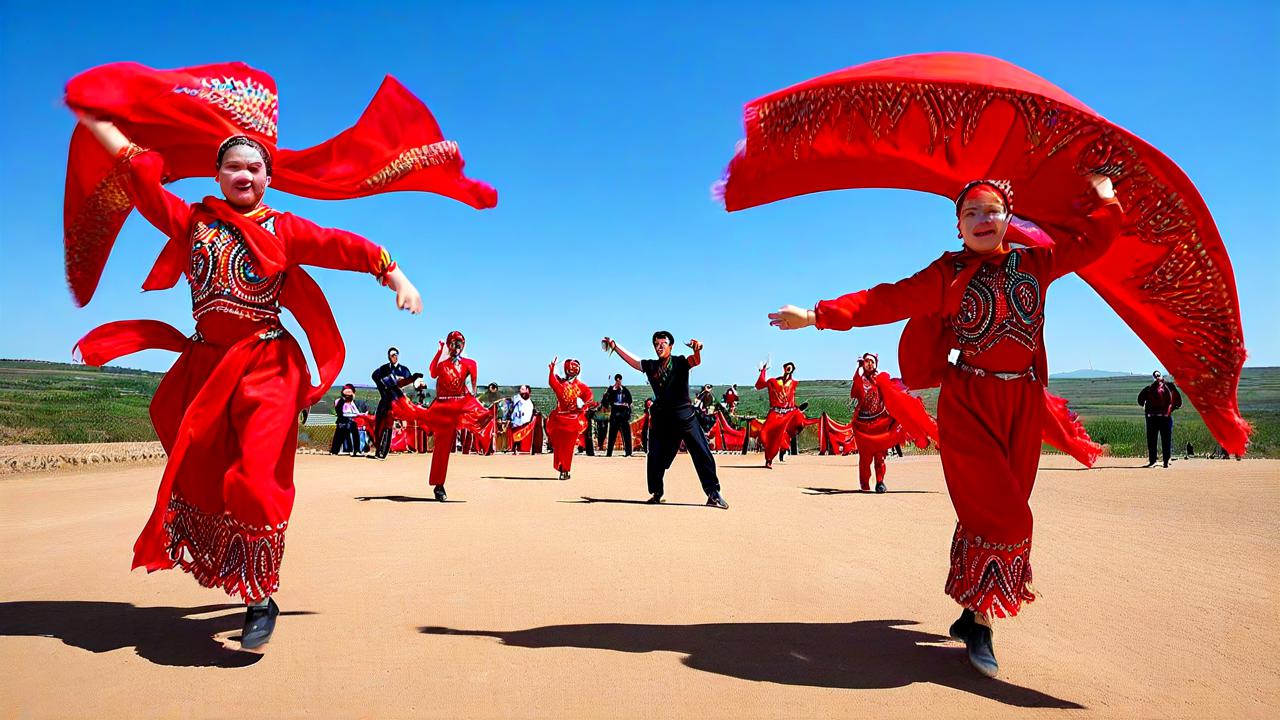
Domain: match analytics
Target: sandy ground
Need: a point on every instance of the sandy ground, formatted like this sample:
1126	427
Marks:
526	596
28	458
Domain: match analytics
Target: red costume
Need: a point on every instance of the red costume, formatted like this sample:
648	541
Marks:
874	430
227	411
454	407
784	418
991	409
567	422
932	123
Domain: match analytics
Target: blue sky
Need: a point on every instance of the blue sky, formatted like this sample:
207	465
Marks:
603	126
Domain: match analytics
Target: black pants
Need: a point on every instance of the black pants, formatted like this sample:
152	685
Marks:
1161	425
665	434
619	423
602	431
382	428
345	432
586	439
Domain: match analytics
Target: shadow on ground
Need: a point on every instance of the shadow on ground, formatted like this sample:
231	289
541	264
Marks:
512	477
846	491
403	499
584	500
162	635
865	655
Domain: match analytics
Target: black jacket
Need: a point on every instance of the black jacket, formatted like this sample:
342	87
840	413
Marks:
612	396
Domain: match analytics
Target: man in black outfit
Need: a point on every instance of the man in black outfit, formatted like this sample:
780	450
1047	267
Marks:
389	379
672	418
618	400
1159	399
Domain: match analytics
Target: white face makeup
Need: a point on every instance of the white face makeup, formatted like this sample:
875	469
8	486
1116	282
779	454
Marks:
982	221
243	177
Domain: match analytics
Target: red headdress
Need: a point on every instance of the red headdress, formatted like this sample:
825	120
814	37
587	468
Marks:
934	122
186	115
455	335
572	367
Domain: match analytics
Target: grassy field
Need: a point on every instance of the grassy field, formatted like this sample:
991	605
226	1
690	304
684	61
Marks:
44	402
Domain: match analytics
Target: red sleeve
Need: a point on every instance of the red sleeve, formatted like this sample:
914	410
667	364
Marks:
435	362
169	213
474	371
553	381
1076	248
919	294
855	391
310	244
760	381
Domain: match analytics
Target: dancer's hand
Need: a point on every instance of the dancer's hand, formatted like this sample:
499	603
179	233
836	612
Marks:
608	344
694	345
1102	185
790	317
553	362
407	297
764	366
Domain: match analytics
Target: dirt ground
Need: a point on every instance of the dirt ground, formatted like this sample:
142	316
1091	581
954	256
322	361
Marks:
526	596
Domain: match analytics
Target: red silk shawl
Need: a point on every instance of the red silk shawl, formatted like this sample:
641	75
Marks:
186	114
936	121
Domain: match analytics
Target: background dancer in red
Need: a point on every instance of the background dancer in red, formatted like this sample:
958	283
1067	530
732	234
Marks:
227	411
566	423
784	419
991	408
455	406
873	427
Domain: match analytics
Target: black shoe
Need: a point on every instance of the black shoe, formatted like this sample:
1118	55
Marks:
880	488
654	499
440	494
1166	463
715	499
1150	464
960	628
982	654
259	623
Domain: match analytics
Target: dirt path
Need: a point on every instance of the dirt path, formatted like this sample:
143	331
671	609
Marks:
534	597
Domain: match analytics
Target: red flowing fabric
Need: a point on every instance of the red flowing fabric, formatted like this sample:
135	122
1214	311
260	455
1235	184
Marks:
186	114
1064	431
835	438
725	437
936	121
530	434
444	418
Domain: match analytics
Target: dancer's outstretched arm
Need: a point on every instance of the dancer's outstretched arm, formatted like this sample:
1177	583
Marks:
552	380
919	294
433	368
612	345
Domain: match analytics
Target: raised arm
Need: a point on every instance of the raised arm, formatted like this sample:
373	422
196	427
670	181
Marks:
696	358
762	382
628	358
1077	246
435	361
552	380
169	213
311	244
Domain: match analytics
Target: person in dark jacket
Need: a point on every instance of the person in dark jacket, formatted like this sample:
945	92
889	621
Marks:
389	378
618	400
1159	399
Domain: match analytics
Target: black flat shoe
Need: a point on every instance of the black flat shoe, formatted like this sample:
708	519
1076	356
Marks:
982	654
880	488
440	494
654	499
960	628
715	499
259	623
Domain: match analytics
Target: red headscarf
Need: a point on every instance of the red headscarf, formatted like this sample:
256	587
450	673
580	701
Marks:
572	368
455	335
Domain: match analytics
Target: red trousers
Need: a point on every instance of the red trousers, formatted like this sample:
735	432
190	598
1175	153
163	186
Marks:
990	431
865	459
777	431
564	429
443	418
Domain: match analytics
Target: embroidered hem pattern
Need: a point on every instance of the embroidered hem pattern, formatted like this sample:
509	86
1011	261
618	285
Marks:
221	552
989	578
